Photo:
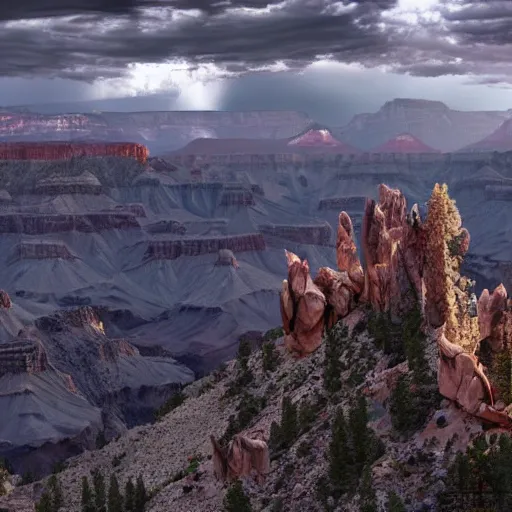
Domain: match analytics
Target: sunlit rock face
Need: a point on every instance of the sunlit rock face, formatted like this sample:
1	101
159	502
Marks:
302	308
63	151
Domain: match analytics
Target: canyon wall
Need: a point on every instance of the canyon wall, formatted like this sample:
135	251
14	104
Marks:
64	151
313	235
39	224
43	250
172	249
349	203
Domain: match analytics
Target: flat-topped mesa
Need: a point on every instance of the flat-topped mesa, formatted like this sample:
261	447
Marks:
40	224
65	150
22	356
85	183
302	308
173	249
349	203
43	250
303	234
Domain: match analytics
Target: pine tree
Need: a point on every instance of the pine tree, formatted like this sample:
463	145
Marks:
244	352
274	440
332	363
98	483
55	491
368	498
270	358
289	424
87	497
236	500
140	495
339	456
402	406
129	496
115	500
45	503
358	426
395	503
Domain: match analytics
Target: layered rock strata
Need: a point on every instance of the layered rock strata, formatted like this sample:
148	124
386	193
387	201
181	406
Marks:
40	224
85	183
172	249
43	250
307	234
64	150
350	203
24	356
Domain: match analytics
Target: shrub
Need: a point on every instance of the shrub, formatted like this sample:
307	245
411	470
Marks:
236	500
175	401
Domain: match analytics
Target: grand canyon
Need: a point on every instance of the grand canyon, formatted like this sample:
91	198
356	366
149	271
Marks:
140	251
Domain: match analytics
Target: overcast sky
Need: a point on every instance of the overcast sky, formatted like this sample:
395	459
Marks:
328	58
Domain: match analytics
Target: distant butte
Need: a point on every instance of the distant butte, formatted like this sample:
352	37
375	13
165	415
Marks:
499	140
404	143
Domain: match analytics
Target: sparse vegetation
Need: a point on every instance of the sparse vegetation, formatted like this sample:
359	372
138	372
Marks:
395	503
175	401
248	408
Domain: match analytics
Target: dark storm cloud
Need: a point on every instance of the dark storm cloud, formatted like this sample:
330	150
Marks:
487	22
95	43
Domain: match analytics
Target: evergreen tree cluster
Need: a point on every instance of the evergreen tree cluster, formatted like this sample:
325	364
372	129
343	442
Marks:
295	420
270	357
98	499
415	395
352	450
236	500
484	469
52	498
332	364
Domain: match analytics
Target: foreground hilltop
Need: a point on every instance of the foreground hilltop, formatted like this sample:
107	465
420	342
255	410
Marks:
386	372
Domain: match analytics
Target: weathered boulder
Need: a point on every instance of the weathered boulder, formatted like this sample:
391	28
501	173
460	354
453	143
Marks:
302	308
240	458
5	300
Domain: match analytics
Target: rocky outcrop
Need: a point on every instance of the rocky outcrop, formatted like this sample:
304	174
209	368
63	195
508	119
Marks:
5	300
302	308
40	224
305	234
43	250
240	458
64	151
85	183
226	258
136	209
172	249
24	356
342	289
350	203
166	226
